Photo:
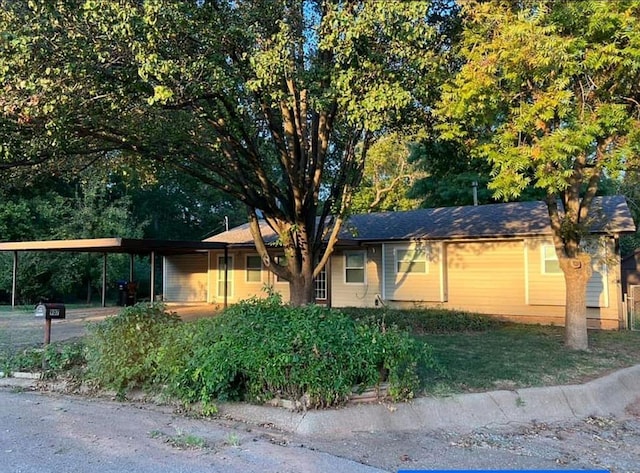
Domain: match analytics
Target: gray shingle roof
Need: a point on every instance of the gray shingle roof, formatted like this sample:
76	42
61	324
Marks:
609	214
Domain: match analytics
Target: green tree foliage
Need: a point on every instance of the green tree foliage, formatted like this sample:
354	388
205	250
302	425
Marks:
273	102
387	178
448	175
174	205
629	186
548	95
53	209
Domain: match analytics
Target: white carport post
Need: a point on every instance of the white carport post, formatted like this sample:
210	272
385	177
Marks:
152	279
104	279
14	281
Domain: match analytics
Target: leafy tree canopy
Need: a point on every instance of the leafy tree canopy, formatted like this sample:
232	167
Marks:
274	102
549	95
388	176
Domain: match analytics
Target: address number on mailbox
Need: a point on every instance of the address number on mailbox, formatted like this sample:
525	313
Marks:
50	310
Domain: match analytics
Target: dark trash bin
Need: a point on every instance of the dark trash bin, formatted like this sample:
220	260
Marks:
122	293
132	289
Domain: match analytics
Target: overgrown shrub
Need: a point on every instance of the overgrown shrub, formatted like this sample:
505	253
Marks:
122	350
256	350
261	349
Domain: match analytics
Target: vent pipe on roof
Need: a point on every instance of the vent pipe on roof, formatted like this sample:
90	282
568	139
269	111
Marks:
474	185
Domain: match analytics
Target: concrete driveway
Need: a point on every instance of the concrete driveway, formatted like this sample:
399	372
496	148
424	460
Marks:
20	328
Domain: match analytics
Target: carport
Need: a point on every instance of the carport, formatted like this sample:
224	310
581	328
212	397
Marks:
104	246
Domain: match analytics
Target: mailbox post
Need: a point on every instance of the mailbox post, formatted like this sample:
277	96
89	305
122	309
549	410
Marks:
50	311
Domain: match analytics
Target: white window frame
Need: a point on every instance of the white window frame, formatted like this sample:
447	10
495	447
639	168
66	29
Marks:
398	260
363	268
252	270
544	258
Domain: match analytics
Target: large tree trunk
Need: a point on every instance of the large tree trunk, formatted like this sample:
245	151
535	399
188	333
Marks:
302	290
577	272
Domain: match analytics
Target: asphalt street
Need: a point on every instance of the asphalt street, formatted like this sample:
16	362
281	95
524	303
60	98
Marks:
44	433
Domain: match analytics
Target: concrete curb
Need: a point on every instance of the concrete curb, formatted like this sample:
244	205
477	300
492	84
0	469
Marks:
609	395
605	396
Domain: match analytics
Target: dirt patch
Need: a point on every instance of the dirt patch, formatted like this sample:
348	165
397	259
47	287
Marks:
594	443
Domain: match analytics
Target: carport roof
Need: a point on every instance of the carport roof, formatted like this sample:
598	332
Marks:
113	245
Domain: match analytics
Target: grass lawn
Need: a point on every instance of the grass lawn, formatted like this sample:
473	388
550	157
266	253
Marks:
479	354
515	356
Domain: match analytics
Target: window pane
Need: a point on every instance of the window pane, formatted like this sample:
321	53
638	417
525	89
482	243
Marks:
412	267
254	268
254	262
354	275
354	263
551	264
355	260
411	261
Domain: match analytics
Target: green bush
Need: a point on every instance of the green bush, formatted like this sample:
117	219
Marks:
256	350
261	349
122	350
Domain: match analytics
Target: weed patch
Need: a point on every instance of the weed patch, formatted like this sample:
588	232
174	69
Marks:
423	321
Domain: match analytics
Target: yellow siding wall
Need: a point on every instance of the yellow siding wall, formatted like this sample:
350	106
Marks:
549	289
356	295
241	288
419	287
486	277
502	278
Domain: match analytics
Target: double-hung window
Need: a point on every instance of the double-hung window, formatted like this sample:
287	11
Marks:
411	261
550	263
254	268
354	267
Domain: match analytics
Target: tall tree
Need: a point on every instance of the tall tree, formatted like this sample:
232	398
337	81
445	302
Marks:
549	94
274	102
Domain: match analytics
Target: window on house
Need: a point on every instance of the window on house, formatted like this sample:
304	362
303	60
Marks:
411	261
254	268
354	267
321	285
550	263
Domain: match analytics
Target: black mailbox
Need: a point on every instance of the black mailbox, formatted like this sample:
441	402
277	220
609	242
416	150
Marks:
50	310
